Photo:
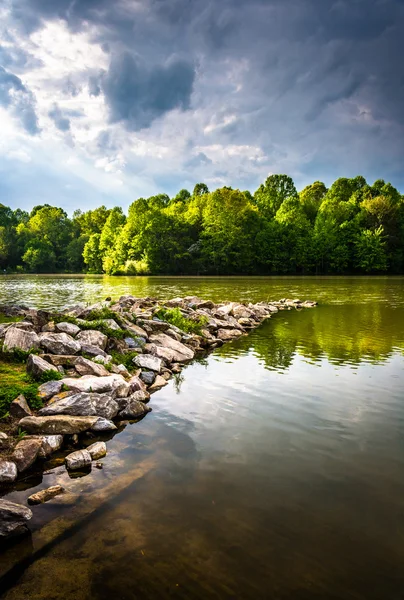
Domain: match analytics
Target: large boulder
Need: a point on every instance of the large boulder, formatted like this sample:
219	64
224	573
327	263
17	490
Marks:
49	389
80	459
50	444
158	383
92	337
19	407
97	450
87	367
69	328
57	424
8	471
114	384
95	351
228	334
12	516
174	351
25	452
37	366
59	343
61	360
83	404
103	425
19	339
149	362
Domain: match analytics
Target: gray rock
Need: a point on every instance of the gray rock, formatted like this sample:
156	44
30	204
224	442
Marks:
120	370
45	495
94	351
87	367
3	436
25	452
92	337
112	383
50	444
19	339
135	384
159	382
103	425
57	424
12	516
148	377
83	404
59	343
134	409
105	360
111	324
173	351
146	361
8	471
78	460
228	334
97	450
60	360
49	389
69	328
36	366
19	407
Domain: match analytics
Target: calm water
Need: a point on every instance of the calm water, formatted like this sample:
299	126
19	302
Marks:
272	469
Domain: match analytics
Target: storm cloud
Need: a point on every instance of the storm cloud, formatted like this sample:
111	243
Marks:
225	92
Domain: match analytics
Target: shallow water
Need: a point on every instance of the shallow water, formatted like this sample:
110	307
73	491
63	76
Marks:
271	469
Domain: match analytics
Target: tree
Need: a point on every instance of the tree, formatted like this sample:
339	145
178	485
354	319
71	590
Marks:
200	189
370	255
270	195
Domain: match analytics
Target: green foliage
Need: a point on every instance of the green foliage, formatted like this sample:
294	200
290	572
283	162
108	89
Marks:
21	434
274	230
175	317
6	319
49	375
125	359
15	381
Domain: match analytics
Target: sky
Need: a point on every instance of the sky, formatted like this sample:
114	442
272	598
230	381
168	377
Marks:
103	102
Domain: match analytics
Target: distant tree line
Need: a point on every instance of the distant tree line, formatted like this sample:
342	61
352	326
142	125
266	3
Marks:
352	227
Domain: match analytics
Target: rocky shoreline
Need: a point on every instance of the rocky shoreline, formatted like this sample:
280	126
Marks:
99	366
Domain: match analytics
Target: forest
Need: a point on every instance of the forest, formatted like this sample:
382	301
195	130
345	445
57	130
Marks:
351	227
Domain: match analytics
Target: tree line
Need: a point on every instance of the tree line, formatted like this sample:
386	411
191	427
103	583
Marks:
351	227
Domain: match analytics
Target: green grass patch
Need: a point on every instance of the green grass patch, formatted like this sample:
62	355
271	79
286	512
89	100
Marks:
175	317
124	359
15	381
6	319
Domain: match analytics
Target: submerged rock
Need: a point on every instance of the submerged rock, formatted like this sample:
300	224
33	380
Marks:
57	424
97	450
45	495
80	459
12	516
8	471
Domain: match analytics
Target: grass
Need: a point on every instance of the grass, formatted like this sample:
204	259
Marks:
5	319
124	359
175	317
15	381
96	323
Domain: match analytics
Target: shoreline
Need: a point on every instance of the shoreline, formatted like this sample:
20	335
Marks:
95	369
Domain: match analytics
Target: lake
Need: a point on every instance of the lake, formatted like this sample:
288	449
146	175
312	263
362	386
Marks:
272	469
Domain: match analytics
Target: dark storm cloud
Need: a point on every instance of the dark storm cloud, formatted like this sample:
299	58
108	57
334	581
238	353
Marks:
15	96
137	94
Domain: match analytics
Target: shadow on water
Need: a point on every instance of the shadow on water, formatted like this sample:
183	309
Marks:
272	469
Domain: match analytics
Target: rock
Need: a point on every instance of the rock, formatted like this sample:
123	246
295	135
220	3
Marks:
51	327
174	351
151	363
135	343
49	389
174	334
159	382
60	360
136	330
80	459
8	471
97	450
19	407
57	424
92	337
115	384
12	516
148	377
69	328
225	309
157	325
105	360
83	404
111	324
87	367
134	409
19	339
120	370
98	465
25	452
50	444
135	384
3	436
103	425
228	334
59	343
93	350
37	366
45	495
